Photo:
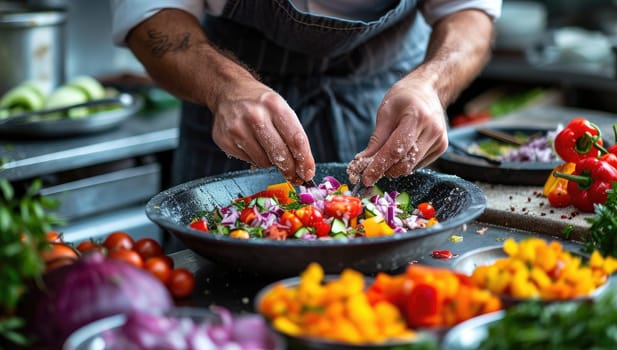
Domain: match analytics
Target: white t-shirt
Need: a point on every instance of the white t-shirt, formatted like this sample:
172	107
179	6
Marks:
126	14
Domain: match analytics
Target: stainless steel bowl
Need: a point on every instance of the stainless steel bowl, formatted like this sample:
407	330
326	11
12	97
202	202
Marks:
92	336
468	262
426	340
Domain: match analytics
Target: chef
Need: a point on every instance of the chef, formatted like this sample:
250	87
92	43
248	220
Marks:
288	83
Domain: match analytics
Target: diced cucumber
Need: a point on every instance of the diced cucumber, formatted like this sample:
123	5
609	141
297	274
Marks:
261	202
301	232
373	191
369	208
339	236
403	199
338	227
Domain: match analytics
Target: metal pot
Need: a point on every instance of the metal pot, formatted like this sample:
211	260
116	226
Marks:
32	46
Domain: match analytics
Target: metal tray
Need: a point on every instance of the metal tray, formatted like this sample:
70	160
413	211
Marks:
457	201
93	123
474	169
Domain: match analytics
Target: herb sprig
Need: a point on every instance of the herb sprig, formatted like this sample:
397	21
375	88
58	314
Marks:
602	234
24	222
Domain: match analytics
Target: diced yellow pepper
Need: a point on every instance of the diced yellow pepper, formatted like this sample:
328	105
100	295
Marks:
377	226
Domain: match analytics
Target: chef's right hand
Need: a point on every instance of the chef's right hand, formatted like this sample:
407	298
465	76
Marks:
255	124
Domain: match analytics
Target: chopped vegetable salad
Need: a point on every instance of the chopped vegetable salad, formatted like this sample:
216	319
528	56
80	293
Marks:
325	211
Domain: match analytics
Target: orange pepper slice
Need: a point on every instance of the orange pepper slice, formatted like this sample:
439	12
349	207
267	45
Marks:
552	181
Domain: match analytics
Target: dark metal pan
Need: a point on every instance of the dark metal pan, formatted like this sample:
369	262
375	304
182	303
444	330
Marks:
457	202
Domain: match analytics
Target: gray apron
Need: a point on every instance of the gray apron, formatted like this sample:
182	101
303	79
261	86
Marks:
332	72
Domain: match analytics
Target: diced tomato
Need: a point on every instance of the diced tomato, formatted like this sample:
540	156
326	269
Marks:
310	216
341	206
200	224
291	221
322	228
247	215
276	232
442	254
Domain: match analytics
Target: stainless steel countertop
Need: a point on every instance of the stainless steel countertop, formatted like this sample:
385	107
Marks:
142	134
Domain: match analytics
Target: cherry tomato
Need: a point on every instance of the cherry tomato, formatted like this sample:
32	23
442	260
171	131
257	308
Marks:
181	283
59	254
89	246
341	206
59	250
53	237
159	267
168	260
200	224
50	265
119	240
128	256
427	210
148	248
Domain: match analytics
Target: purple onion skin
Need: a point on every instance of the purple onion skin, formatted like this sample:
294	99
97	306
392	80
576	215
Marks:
92	288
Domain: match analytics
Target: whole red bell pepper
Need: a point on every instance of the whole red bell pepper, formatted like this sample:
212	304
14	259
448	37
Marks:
588	184
578	140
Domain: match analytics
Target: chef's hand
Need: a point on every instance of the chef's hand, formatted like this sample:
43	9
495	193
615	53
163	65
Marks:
255	124
411	132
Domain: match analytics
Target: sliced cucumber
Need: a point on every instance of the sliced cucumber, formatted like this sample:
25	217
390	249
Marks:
403	199
22	96
66	96
338	227
373	191
301	232
91	87
261	202
369	208
339	236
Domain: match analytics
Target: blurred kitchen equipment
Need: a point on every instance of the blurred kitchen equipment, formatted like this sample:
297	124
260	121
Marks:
32	45
124	100
521	25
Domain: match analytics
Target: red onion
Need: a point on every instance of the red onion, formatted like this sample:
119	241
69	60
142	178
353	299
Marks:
306	198
217	330
92	288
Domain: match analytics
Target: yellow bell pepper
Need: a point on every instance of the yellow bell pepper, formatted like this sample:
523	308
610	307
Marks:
376	226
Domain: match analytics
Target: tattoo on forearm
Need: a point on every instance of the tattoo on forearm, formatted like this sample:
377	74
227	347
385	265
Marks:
160	43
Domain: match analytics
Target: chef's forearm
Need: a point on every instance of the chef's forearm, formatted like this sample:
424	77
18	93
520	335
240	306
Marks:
459	48
178	56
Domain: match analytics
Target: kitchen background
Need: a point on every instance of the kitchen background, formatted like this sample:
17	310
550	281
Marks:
551	52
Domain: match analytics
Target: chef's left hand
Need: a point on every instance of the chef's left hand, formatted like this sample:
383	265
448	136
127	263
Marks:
411	132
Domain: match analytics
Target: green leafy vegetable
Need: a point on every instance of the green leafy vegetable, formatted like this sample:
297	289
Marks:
24	222
563	326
